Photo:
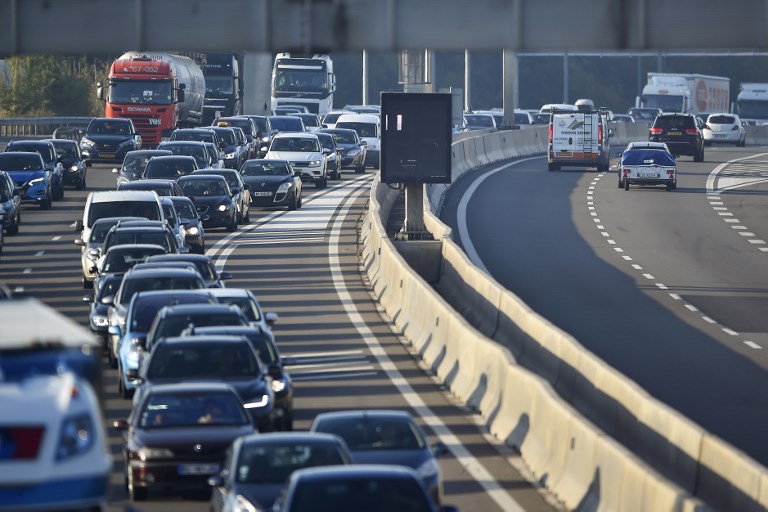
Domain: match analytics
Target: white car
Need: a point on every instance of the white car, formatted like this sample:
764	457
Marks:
305	153
647	163
726	128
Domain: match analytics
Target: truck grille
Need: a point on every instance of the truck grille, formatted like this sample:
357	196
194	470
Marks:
150	134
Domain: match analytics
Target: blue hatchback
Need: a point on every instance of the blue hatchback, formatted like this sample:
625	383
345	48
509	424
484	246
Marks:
29	175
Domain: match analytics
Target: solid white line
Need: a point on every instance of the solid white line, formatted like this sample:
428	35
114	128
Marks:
320	361
335	376
320	368
461	212
752	344
495	491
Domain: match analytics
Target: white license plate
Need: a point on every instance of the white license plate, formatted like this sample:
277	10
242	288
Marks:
649	175
198	469
262	194
720	135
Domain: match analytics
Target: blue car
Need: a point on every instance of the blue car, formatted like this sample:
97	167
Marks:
353	150
141	312
109	139
30	177
73	164
9	204
51	161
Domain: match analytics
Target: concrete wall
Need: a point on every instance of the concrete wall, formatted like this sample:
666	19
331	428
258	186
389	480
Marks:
595	438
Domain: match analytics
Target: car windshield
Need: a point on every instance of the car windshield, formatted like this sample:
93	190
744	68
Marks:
520	119
158	168
142	284
163	410
227	136
372	433
146	209
203	361
185	209
310	120
198	152
262	344
203	187
331	117
274	463
135	163
100	230
231	178
345	137
295	144
372	494
265	169
327	142
647	157
108	127
17	162
287	124
362	129
196	135
173	325
674	122
65	150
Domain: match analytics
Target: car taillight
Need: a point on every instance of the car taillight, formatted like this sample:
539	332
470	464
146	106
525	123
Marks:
550	134
670	172
626	172
599	134
657	131
735	128
690	131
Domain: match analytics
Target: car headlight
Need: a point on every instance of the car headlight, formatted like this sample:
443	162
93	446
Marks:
353	152
134	353
284	187
265	139
37	181
428	469
223	207
74	168
154	453
86	142
77	436
257	402
192	231
127	143
230	156
315	163
278	385
100	321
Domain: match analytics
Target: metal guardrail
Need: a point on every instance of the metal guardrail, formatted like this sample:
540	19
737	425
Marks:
42	126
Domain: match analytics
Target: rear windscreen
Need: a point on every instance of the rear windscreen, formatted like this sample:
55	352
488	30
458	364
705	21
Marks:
671	122
146	209
647	157
721	119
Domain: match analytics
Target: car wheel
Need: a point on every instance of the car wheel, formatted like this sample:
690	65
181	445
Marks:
670	187
360	168
45	204
626	184
551	166
87	285
14	228
300	203
247	217
233	225
111	356
699	157
136	493
294	204
621	183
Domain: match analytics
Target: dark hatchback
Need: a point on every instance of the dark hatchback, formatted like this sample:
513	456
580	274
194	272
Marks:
212	198
241	194
681	133
74	165
173	320
177	436
194	233
170	167
353	150
273	183
212	278
212	358
53	166
135	162
257	466
163	187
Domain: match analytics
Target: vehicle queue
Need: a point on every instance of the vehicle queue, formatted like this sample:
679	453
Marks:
200	361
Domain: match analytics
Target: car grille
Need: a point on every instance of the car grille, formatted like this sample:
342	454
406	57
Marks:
201	209
300	164
109	148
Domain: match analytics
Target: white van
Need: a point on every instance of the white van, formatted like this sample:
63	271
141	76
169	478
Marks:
126	203
368	128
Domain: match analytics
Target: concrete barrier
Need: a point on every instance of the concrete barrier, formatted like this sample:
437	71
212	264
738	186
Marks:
665	460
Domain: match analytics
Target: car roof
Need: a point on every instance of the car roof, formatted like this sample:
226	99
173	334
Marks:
189	387
171	293
302	135
647	145
179	257
219	172
146	184
190	177
367	118
143	273
183	309
69	142
289	437
123	195
143	152
198	339
161	158
135	247
266	161
167	143
354	472
231	292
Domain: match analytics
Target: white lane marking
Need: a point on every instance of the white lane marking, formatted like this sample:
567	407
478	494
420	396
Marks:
334	376
636	266
303	355
323	368
611	242
649	277
708	320
732	220
675	296
661	286
691	307
495	491
757	242
316	361
747	233
618	249
18	289
461	213
27	270
752	344
730	332
39	253
56	238
739	227
627	258
725	214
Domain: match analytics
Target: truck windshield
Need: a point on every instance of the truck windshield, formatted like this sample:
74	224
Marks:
222	84
301	80
142	93
752	109
664	102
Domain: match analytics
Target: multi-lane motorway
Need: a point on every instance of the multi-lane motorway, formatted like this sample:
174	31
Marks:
670	288
304	265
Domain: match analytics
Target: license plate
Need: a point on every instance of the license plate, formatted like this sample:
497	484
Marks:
673	133
564	153
107	155
720	135
198	469
649	175
262	194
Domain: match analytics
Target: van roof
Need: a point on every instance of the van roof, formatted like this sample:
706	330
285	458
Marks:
358	118
123	195
29	322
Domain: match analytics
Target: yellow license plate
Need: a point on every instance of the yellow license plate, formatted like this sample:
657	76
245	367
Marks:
107	155
673	133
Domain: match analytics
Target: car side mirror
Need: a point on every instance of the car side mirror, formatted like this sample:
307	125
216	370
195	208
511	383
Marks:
78	225
439	449
79	241
288	361
184	250
363	142
120	425
271	318
326	151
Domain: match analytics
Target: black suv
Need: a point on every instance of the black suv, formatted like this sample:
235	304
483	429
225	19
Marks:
108	139
681	133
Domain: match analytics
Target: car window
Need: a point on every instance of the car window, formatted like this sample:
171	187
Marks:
374	433
163	410
265	169
147	209
721	119
671	122
379	494
66	150
369	129
142	284
185	209
11	162
246	304
172	325
199	361
273	464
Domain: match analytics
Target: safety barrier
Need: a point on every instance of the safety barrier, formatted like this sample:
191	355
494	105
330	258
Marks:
39	126
535	385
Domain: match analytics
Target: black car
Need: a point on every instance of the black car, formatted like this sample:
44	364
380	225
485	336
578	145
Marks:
194	233
250	130
264	131
98	318
204	265
356	487
171	321
52	164
287	123
241	195
273	183
258	465
141	232
10	201
264	344
179	434
193	148
163	187
212	358
229	146
212	198
353	150
680	132
135	162
195	135
170	167
328	141
109	139
74	165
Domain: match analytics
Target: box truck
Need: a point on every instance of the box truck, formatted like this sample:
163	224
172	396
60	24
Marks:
686	93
